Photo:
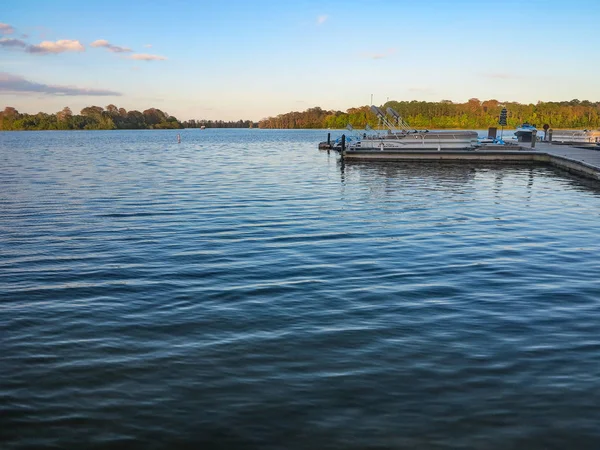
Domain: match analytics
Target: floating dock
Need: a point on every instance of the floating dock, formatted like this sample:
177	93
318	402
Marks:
583	161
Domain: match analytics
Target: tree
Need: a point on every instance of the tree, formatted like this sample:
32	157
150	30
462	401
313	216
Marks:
65	114
136	120
92	111
9	111
154	116
112	109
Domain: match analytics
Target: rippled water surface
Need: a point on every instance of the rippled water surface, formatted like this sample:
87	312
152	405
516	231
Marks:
244	290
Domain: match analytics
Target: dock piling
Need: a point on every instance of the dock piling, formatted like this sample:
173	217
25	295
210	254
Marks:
533	138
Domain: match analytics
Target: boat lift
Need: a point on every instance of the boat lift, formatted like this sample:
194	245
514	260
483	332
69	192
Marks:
398	121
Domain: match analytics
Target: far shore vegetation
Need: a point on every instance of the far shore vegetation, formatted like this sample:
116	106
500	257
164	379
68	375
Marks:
109	118
473	114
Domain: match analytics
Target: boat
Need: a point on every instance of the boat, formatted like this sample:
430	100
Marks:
525	132
400	136
576	136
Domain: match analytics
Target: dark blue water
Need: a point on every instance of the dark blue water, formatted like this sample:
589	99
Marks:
244	290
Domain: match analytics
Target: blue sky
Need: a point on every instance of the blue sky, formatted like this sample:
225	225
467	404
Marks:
235	59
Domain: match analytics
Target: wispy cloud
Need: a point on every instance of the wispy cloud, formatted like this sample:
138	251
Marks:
17	83
60	46
379	55
6	28
43	48
148	45
110	47
146	57
322	19
13	43
67	45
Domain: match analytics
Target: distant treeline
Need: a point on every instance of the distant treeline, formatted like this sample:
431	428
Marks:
474	114
111	118
219	124
90	118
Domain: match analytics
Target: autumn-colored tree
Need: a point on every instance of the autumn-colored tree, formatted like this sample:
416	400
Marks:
64	114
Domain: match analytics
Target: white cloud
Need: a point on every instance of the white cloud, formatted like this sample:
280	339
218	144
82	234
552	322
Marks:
148	45
44	47
17	83
6	28
100	43
147	57
63	45
322	19
110	47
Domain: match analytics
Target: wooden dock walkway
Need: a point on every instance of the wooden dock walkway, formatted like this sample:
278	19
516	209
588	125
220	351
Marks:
580	161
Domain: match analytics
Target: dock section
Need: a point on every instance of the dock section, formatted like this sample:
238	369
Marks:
577	160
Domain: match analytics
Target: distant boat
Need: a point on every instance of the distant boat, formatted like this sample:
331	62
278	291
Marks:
525	131
203	127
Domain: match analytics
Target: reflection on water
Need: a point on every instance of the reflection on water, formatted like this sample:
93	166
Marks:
243	290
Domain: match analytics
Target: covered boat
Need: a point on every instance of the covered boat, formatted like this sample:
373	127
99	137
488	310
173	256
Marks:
525	132
400	136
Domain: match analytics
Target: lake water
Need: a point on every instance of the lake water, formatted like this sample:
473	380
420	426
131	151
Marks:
244	290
